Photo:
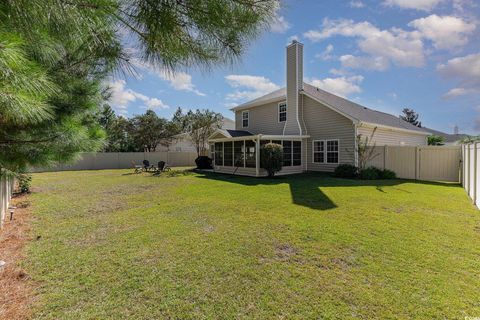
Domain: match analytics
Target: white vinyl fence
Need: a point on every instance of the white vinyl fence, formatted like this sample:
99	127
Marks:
471	171
431	163
6	192
123	160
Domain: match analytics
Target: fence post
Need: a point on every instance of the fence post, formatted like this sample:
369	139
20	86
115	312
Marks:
467	168
474	173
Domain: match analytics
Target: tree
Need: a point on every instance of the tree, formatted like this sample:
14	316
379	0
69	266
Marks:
470	139
435	140
55	56
148	131
200	125
411	116
271	158
120	136
365	149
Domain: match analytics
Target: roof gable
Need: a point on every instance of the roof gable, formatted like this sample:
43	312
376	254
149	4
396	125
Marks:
347	108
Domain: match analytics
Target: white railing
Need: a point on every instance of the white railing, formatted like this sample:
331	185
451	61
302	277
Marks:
471	171
6	192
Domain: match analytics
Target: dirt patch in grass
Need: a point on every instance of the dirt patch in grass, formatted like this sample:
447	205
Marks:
16	286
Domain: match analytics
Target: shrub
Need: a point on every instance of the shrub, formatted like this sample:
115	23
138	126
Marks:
203	162
388	174
370	173
24	182
271	158
347	171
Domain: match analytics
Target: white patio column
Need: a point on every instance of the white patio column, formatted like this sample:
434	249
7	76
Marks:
257	157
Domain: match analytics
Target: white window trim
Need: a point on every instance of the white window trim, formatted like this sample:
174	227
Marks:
248	118
338	151
324	149
278	111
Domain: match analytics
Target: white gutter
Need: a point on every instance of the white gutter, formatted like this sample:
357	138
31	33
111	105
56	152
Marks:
257	103
373	125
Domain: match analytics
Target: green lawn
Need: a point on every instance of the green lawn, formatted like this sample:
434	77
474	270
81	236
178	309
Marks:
193	246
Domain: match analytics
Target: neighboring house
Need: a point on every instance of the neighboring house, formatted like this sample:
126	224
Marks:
316	128
182	142
448	139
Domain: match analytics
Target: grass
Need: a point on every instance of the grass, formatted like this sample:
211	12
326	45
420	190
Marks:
203	246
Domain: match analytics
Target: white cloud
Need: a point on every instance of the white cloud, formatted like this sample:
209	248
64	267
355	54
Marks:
446	32
121	97
342	86
356	4
249	87
425	5
466	70
397	46
279	24
368	63
293	38
180	81
326	54
458	92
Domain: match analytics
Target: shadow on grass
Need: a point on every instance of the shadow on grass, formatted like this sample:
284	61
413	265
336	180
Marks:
306	188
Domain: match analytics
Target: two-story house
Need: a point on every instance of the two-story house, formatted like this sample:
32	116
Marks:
317	129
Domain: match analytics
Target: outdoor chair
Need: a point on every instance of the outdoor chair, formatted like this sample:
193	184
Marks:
138	168
162	166
147	166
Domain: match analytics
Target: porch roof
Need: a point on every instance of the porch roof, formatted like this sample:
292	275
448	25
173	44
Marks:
226	135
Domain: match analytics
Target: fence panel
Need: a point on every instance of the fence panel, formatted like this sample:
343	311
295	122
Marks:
422	163
123	160
439	163
6	193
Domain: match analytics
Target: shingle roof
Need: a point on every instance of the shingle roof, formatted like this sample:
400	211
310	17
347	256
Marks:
342	105
357	111
233	133
447	136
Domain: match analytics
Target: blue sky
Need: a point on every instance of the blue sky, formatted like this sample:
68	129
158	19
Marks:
386	55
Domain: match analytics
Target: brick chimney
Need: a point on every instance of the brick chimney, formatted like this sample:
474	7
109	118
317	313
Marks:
294	86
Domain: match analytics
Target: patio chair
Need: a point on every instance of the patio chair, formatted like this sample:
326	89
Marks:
138	168
147	166
162	166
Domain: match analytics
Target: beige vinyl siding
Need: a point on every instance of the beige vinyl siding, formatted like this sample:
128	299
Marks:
325	124
390	137
262	119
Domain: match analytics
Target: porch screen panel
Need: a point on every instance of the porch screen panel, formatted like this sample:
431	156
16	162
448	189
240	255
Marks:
277	142
228	153
238	149
297	153
219	153
287	153
250	154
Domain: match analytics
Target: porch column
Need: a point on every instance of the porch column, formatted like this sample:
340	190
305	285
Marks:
257	156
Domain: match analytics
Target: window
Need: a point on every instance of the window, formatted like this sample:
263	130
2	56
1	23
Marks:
245	118
219	154
319	151
250	160
297	153
287	153
212	151
238	150
282	112
332	151
228	153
